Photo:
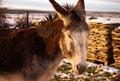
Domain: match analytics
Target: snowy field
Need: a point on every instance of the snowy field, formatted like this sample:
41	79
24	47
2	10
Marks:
104	20
38	17
95	72
11	18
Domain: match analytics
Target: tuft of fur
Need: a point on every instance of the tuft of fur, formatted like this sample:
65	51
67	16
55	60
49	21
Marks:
51	17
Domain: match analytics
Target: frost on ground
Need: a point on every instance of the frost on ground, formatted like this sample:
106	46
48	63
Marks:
95	72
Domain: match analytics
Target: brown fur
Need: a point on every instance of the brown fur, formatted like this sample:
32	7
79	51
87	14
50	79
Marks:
34	54
18	47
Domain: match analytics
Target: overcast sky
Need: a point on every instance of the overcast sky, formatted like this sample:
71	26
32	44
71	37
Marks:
91	5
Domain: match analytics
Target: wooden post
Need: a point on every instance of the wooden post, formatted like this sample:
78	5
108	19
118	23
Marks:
27	19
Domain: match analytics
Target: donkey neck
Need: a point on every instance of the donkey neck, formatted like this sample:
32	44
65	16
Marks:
50	31
51	67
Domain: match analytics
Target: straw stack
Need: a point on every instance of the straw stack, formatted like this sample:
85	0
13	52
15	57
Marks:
104	43
98	43
116	45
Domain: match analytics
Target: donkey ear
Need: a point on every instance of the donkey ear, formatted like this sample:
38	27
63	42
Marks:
60	10
81	5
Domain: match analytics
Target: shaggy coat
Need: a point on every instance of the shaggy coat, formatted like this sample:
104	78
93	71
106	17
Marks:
24	51
34	54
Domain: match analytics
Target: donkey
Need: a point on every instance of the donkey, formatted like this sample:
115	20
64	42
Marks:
34	54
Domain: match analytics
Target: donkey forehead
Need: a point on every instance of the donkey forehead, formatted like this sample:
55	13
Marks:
79	29
78	26
77	13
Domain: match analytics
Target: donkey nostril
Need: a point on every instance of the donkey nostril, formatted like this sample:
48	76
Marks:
81	68
77	67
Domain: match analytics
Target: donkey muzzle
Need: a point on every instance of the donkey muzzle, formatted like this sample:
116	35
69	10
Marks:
81	68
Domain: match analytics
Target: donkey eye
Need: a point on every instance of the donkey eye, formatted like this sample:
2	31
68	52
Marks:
70	37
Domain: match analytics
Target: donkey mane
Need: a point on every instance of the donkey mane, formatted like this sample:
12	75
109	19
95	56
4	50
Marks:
68	7
51	31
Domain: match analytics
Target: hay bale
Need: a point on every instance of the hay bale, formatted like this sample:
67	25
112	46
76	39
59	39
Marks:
97	42
116	46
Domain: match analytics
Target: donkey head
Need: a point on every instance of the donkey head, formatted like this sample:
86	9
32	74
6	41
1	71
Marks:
73	41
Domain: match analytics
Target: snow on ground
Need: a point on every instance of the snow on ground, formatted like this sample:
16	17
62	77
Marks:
11	18
95	72
104	68
104	20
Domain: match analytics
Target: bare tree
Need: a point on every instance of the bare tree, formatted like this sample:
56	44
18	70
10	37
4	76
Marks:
1	1
3	24
1	10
